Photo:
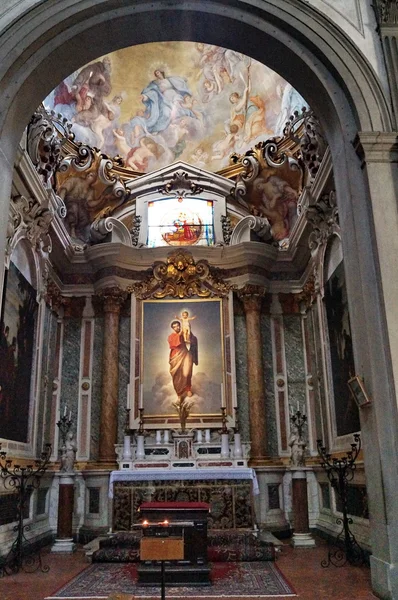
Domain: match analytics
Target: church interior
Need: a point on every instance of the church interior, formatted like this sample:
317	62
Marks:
198	330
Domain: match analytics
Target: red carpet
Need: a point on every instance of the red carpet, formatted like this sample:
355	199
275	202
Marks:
250	580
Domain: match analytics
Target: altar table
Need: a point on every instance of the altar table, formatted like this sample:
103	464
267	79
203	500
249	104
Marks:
229	493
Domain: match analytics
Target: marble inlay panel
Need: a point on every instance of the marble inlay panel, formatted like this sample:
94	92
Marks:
295	364
316	357
51	341
71	367
124	374
41	396
272	434
96	393
242	383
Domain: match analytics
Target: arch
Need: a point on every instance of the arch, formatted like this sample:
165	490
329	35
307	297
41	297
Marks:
44	41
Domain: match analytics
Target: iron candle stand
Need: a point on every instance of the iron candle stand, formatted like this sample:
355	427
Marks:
23	480
340	472
64	424
299	419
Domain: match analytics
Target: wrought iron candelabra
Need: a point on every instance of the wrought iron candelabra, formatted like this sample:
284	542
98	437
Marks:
23	480
340	472
64	424
299	420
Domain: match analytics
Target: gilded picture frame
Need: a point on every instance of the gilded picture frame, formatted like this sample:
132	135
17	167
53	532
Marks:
206	378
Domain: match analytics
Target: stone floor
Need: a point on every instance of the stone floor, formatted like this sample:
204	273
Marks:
300	566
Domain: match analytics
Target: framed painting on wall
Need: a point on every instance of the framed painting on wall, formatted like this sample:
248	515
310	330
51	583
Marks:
183	350
17	330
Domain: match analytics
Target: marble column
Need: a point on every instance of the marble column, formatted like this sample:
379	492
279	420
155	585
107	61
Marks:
64	539
251	296
112	298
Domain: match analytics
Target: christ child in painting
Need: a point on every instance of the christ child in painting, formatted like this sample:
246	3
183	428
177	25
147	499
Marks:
186	325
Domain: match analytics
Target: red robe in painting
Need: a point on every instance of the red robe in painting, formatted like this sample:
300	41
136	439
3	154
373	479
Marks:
181	362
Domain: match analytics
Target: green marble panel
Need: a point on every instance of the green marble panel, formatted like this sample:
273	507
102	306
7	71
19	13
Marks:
242	383
295	365
71	367
270	412
96	386
124	374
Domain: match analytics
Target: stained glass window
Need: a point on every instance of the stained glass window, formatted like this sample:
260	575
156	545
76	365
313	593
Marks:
180	222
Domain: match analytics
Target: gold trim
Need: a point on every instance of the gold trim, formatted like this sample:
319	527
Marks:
181	277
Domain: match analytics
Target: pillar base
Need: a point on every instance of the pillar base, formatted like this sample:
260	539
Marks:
303	540
64	546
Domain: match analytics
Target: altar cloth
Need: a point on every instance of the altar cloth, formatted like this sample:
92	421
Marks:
184	474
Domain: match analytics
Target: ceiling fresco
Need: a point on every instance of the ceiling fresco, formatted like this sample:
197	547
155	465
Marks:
157	103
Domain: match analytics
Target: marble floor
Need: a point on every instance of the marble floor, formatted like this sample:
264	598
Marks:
300	566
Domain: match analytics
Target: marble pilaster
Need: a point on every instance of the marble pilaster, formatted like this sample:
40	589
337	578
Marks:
242	384
301	536
251	297
64	539
124	373
113	299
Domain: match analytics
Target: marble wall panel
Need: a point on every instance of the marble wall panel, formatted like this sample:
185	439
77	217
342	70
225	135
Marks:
71	367
242	383
318	373
317	370
124	374
295	366
48	374
40	394
272	435
96	386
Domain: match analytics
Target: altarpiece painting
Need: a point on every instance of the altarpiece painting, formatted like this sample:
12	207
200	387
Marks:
184	354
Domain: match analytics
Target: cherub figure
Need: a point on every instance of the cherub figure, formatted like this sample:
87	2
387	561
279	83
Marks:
186	325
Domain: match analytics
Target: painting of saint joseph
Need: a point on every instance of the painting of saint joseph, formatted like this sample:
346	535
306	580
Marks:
182	356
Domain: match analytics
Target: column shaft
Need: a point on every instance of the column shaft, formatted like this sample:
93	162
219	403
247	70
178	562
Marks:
255	372
113	300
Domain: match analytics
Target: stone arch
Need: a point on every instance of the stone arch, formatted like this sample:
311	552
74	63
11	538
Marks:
43	41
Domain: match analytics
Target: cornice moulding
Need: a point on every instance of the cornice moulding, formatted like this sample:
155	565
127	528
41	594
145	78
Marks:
377	147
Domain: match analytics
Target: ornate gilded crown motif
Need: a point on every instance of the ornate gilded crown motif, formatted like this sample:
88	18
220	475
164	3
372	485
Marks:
181	277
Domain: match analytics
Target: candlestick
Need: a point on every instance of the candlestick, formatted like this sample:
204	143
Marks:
340	471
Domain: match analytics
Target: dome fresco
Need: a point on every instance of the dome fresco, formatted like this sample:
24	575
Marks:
157	103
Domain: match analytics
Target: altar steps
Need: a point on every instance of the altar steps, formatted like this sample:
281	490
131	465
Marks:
223	546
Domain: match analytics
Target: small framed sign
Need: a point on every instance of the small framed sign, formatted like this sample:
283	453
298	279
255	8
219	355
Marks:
358	391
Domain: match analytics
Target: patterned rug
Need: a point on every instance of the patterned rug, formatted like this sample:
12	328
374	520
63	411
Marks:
251	580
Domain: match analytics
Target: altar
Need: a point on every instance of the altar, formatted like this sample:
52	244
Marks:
228	491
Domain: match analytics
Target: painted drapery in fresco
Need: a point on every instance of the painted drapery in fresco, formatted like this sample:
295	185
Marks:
16	355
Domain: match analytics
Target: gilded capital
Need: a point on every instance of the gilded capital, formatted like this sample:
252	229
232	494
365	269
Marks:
112	298
251	296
